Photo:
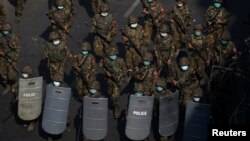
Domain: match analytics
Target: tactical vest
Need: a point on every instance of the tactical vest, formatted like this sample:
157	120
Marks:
57	54
115	66
135	34
103	24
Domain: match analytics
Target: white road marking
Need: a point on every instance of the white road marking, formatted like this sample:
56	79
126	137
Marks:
132	8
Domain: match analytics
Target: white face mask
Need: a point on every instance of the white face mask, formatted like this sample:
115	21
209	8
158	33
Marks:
60	7
6	32
196	99
25	75
164	34
134	25
179	4
56	42
57	84
184	68
104	14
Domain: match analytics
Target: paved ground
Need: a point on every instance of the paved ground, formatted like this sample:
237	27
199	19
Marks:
33	33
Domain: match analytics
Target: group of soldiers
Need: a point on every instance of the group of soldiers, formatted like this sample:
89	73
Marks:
161	56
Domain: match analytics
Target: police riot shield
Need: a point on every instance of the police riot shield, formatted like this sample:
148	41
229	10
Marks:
95	118
169	114
30	98
55	110
196	121
139	117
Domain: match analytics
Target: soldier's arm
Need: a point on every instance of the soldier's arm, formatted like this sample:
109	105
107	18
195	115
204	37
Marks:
15	45
208	15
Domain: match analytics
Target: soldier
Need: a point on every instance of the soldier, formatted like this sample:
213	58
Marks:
96	5
104	26
57	53
132	36
154	14
2	14
61	17
116	72
27	73
197	48
164	50
181	19
217	18
85	66
146	73
225	50
9	54
186	77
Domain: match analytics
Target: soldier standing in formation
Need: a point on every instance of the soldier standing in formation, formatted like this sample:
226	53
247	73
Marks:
116	72
57	53
180	21
104	26
9	55
132	36
84	65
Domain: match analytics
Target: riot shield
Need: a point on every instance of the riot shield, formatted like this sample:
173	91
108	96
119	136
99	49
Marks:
30	98
56	108
95	118
196	121
139	117
169	114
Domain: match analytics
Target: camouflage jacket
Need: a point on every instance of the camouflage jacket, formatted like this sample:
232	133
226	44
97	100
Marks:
57	54
197	47
221	19
117	68
133	35
86	64
222	54
10	45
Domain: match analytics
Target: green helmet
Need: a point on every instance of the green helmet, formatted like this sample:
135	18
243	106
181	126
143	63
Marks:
149	1
221	1
183	61
148	56
104	8
112	51
58	78
132	20
54	35
198	27
198	92
27	69
161	82
94	85
60	2
6	27
226	35
164	28
85	46
138	87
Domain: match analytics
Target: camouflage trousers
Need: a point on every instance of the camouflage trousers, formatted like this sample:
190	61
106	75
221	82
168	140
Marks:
100	46
81	82
132	58
56	68
6	71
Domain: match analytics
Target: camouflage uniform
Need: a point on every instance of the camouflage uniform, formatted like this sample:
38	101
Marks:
57	53
20	7
85	67
116	72
181	19
154	14
2	14
164	49
217	20
61	17
104	26
186	77
132	38
197	48
96	5
146	73
9	54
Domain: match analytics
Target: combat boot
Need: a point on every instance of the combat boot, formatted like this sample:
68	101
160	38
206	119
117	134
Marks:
31	127
7	89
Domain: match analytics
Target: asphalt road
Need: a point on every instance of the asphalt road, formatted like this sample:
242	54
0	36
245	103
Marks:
33	33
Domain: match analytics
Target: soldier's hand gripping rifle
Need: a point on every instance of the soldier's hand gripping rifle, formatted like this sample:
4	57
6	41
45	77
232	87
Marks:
104	37
51	18
132	43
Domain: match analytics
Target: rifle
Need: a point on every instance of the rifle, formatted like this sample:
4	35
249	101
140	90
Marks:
133	44
180	23
213	19
104	37
59	25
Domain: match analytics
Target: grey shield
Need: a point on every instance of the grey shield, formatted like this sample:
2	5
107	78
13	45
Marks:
196	121
95	118
169	114
56	108
139	117
30	98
